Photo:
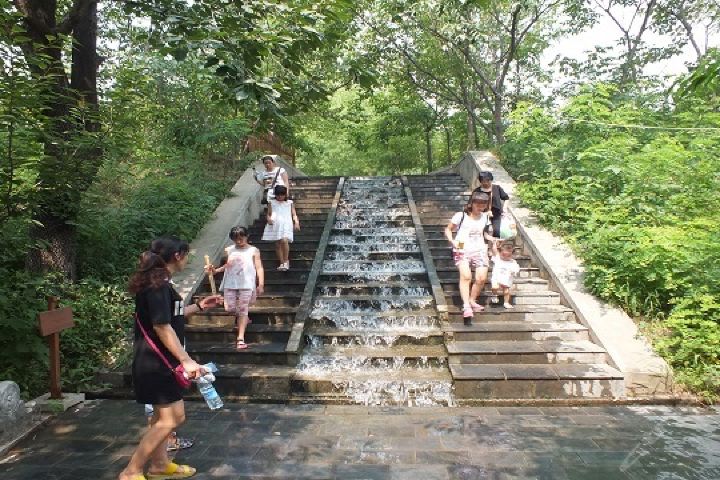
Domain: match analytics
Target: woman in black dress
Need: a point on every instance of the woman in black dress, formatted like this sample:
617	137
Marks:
161	312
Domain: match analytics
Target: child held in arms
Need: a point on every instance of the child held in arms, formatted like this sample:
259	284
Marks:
243	279
282	221
505	268
498	197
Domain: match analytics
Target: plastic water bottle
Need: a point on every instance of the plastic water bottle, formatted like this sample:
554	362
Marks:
208	392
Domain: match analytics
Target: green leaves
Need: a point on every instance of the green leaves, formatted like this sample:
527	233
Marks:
641	208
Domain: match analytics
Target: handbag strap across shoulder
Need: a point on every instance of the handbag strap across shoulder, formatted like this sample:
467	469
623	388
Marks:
460	224
151	343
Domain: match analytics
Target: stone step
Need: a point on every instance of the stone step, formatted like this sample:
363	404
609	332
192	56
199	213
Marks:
448	274
410	278
370	304
451	287
226	353
517	330
376	289
258	315
341	358
559	381
226	334
448	262
363	337
253	382
521	313
525	351
394	387
375	256
517	297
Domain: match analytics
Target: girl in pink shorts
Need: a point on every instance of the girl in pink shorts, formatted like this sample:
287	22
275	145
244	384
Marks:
243	280
470	250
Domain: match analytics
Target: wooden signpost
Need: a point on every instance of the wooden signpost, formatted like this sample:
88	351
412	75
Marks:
52	322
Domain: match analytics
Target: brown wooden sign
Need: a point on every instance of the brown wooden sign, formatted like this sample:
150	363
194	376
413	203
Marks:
52	322
55	321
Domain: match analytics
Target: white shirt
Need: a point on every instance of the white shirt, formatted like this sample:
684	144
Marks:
471	232
240	268
267	179
504	270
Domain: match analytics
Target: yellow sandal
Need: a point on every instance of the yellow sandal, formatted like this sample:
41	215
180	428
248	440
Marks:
173	471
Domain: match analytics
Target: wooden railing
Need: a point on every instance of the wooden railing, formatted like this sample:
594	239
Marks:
270	143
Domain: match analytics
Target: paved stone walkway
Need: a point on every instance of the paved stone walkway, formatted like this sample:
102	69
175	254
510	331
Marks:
354	442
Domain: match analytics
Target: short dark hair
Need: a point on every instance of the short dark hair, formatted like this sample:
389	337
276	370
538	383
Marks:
485	175
280	190
238	231
267	157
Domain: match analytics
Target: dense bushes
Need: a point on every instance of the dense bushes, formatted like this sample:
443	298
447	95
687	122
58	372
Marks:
641	207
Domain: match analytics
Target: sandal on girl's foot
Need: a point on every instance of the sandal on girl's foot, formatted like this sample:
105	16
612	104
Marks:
241	345
172	471
476	307
139	476
507	305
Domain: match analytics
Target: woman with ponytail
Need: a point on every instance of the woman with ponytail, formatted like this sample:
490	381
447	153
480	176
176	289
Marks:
160	316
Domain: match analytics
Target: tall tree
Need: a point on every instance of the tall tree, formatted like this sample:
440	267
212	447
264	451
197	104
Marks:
70	161
463	51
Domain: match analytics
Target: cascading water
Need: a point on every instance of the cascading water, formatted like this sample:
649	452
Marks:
374	331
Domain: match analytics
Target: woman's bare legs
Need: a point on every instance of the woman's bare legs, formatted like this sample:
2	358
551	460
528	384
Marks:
465	277
153	445
480	279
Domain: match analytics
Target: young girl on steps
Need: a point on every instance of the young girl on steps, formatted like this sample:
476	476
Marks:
504	269
243	280
470	250
281	221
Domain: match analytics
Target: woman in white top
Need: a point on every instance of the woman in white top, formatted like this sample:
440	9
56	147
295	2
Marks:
470	250
270	177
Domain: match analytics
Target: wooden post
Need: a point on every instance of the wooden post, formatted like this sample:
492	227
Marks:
211	276
52	323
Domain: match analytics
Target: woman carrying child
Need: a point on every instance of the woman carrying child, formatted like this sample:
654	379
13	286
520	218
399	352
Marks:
498	196
272	176
243	280
504	269
470	250
282	221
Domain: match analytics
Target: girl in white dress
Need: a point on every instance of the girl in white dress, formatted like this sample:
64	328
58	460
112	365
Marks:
282	221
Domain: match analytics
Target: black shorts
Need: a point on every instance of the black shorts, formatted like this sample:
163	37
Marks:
156	387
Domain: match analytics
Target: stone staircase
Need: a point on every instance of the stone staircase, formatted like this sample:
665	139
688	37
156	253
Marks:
263	371
537	350
378	319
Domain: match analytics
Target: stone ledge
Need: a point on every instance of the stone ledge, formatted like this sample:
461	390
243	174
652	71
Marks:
646	374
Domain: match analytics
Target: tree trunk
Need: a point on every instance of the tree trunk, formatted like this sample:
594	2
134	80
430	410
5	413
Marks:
428	149
472	140
498	126
447	143
71	157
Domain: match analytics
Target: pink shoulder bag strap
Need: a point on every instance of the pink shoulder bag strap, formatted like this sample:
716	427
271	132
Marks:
178	372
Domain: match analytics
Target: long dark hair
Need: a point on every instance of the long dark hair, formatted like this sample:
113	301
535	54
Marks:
152	270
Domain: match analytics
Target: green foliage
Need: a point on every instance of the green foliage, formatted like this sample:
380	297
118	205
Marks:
380	135
102	316
641	207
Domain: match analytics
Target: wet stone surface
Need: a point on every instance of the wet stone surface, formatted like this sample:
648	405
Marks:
96	440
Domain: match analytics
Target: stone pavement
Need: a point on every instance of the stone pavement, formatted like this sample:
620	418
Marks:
356	442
